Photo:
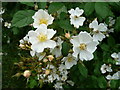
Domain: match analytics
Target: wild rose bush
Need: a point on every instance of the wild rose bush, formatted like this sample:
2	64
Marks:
68	45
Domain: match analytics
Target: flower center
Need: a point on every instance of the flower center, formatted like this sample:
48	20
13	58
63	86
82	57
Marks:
75	17
82	46
42	37
43	21
69	59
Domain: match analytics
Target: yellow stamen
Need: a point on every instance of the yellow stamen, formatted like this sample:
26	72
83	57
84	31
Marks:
42	37
69	59
43	21
82	46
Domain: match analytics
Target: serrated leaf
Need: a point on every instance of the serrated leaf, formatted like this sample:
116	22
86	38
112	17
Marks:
117	24
42	5
31	4
89	8
111	41
23	18
65	48
65	24
102	9
55	6
83	70
15	30
102	82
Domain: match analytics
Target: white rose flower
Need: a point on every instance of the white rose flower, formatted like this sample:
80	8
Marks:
40	38
115	76
42	17
116	57
97	30
57	50
58	85
8	25
83	45
69	61
39	55
75	17
105	68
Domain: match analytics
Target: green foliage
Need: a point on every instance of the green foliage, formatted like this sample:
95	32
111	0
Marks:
54	7
65	24
22	18
103	10
89	8
65	48
117	25
31	4
83	70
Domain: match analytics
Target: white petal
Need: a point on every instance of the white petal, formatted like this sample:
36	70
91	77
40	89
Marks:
108	77
102	27
49	44
98	36
85	55
78	11
75	41
32	53
91	47
50	20
76	51
85	37
114	55
50	33
42	29
94	24
39	47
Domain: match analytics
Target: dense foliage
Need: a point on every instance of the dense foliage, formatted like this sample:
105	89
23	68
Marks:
85	74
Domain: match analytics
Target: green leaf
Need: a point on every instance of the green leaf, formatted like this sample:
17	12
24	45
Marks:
83	70
102	82
15	30
65	48
23	18
117	24
89	8
65	24
31	4
42	5
111	41
55	6
105	47
33	83
103	10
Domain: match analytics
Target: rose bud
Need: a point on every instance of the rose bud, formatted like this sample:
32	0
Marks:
27	73
47	72
67	35
50	57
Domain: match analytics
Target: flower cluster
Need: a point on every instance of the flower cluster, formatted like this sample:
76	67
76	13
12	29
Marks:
107	68
45	47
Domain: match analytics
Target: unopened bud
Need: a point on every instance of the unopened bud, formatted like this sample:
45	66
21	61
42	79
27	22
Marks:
36	7
67	35
22	46
50	57
27	73
17	75
45	60
47	72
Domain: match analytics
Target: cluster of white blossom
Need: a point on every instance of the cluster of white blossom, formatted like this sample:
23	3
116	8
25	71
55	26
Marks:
107	68
43	44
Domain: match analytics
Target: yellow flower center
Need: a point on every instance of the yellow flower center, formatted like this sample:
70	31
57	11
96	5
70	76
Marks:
69	59
82	46
43	21
42	37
